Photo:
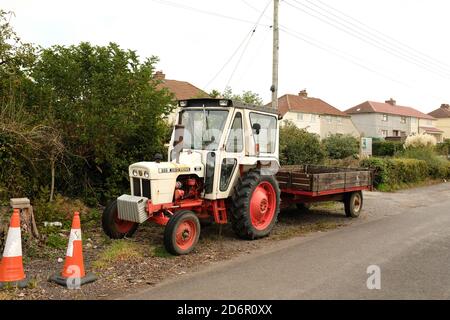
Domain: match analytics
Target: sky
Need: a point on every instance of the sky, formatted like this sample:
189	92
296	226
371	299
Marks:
344	52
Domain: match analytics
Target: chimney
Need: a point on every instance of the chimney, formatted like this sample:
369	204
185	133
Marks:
445	106
303	93
159	75
391	101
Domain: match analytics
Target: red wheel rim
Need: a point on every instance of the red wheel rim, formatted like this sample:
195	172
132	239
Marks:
262	205
122	226
186	234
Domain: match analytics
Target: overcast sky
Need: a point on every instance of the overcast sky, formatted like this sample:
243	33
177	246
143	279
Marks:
345	51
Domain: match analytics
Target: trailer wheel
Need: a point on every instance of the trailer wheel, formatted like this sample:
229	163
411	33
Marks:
255	205
182	232
113	226
353	203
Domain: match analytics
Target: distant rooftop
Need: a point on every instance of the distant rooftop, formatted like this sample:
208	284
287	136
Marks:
388	107
442	112
181	89
304	104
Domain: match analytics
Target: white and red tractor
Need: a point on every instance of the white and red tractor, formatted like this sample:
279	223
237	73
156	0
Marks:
223	157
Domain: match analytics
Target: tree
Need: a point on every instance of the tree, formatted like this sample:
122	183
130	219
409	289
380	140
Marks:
107	103
341	146
246	96
299	147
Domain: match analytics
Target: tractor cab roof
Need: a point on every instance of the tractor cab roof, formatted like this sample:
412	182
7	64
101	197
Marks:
224	103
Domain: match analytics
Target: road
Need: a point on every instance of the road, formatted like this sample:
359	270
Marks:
406	234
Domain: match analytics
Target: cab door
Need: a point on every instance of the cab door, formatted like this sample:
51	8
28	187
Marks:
229	159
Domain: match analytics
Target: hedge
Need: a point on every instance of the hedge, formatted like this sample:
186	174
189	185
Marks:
390	173
384	148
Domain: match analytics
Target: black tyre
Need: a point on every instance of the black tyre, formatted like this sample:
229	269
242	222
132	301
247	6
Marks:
255	205
182	232
113	226
303	207
353	204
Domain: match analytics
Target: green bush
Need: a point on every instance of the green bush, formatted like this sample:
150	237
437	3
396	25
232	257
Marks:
443	148
382	148
297	146
392	173
437	165
379	167
341	146
405	171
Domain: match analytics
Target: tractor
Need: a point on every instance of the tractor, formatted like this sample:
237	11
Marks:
222	162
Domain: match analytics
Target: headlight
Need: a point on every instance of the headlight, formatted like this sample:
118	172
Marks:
146	175
135	173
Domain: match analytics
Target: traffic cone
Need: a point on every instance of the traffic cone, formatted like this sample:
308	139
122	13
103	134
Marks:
11	266
73	275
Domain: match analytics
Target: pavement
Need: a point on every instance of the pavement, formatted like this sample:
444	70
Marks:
404	235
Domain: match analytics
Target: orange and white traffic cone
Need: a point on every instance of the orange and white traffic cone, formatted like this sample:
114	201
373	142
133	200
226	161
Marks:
11	266
73	275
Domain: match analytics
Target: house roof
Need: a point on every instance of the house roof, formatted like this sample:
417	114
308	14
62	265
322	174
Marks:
431	129
181	89
305	104
388	108
442	112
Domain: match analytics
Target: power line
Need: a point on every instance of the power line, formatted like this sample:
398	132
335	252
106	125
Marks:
403	49
345	56
206	12
394	41
365	38
248	42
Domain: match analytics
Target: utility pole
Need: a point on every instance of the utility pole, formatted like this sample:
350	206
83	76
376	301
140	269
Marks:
276	47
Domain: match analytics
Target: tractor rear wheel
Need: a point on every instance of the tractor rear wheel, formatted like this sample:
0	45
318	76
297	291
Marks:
113	226
255	205
182	232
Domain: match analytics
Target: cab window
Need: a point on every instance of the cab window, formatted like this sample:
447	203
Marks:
268	133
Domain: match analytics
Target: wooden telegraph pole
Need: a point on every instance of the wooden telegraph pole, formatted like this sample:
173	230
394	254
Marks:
276	47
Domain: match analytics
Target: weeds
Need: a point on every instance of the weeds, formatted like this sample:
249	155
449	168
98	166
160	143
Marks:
118	251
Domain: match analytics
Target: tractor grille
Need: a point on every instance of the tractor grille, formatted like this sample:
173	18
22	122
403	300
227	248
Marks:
141	188
132	208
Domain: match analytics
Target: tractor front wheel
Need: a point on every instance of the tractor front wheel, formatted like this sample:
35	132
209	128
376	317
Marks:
182	232
113	226
255	205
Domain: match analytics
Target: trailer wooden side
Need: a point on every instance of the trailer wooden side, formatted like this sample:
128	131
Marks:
317	179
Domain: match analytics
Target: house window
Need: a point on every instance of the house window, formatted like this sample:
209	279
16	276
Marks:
300	116
329	119
384	133
385	117
339	120
403	120
313	118
396	133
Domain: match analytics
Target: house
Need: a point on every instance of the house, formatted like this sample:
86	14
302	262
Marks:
383	120
315	115
443	119
182	90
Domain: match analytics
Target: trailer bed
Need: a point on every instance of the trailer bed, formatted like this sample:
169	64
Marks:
315	181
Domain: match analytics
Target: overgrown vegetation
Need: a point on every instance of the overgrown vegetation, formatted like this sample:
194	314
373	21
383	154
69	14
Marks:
72	118
341	146
297	146
382	148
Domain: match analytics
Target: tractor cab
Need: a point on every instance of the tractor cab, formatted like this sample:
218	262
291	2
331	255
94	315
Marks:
229	137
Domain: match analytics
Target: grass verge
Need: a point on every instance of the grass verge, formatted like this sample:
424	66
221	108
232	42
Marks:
119	250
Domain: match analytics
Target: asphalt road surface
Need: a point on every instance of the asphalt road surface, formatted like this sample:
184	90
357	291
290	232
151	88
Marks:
405	234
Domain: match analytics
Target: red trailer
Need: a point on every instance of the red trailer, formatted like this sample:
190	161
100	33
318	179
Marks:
308	184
